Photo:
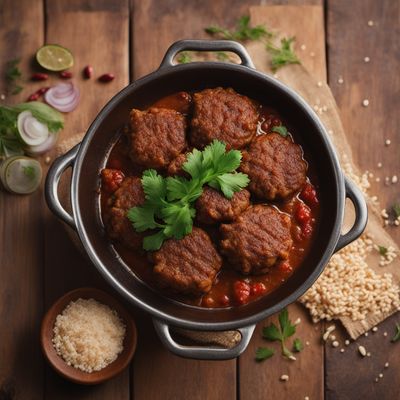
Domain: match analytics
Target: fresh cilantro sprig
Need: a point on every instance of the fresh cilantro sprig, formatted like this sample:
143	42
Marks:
281	129
285	330
396	210
243	31
396	336
262	353
297	345
282	55
169	204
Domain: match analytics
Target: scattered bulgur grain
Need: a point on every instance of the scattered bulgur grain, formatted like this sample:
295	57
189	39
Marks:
2	96
385	334
47	160
366	334
342	350
340	80
303	47
365	103
312	54
374	329
366	59
379	165
387	142
306	398
284	378
376	380
394	179
328	331
347	342
362	351
307	343
319	84
368	354
380	375
386	365
335	343
370	23
297	322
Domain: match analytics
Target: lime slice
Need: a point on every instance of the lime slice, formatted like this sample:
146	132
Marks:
54	57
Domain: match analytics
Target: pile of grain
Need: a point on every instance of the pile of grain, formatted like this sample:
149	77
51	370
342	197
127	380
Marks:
88	335
348	286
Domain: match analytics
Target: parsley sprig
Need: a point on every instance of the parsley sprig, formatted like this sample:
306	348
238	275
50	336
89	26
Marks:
243	31
281	333
169	204
282	55
262	353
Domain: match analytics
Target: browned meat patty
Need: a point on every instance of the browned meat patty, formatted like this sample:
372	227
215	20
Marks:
212	206
175	167
130	194
189	265
157	136
225	115
257	240
275	166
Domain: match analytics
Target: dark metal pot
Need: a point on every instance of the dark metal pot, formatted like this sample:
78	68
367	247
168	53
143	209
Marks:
89	157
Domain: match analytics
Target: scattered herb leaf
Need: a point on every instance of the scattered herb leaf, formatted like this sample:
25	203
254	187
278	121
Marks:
243	31
281	129
12	75
396	210
222	56
282	55
169	201
396	337
184	57
298	345
285	330
382	250
29	172
262	353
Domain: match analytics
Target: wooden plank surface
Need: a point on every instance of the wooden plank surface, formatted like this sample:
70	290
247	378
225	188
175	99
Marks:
259	379
350	40
21	257
96	31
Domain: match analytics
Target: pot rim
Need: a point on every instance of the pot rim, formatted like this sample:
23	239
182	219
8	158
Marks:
172	319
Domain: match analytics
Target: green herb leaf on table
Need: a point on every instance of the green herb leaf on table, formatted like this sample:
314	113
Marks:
281	129
184	57
12	75
285	330
29	172
396	210
262	353
396	337
382	250
282	55
243	31
298	345
169	201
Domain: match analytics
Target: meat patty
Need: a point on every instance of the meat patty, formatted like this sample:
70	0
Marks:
257	239
225	115
212	206
157	136
275	166
175	167
188	265
130	194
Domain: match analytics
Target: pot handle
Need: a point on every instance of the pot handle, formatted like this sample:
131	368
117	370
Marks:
206	45
360	206
202	352
51	186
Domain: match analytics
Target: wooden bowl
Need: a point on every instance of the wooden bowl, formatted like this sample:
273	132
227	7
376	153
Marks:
74	374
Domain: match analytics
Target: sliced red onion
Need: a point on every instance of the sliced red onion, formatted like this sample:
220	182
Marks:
47	145
31	131
63	97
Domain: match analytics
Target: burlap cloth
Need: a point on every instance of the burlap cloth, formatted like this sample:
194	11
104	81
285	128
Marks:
312	90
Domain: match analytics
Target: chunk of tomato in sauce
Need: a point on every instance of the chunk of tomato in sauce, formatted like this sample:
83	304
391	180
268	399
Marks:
257	289
241	291
304	218
111	179
309	195
285	267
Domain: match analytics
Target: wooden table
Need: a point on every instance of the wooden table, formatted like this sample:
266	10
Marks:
39	263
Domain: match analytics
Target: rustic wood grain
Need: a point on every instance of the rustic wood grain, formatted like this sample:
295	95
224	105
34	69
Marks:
258	380
96	32
21	255
350	39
